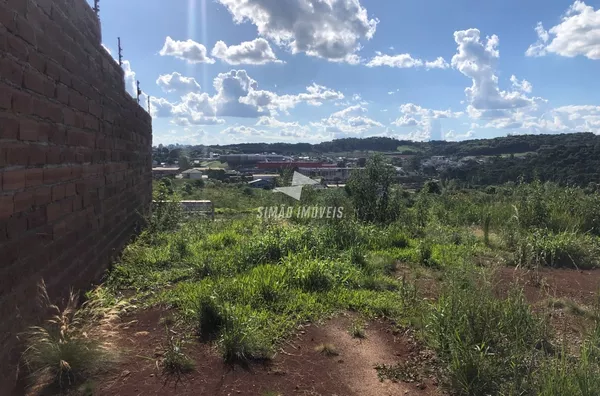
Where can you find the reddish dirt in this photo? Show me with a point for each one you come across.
(538, 285)
(296, 370)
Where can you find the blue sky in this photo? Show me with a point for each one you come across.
(229, 71)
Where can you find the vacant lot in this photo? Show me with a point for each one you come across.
(448, 292)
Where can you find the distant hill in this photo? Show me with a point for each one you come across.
(498, 146)
(569, 159)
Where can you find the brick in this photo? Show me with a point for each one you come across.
(65, 77)
(53, 70)
(13, 180)
(54, 112)
(25, 31)
(70, 189)
(28, 130)
(78, 101)
(59, 229)
(22, 103)
(34, 81)
(66, 205)
(45, 6)
(8, 18)
(53, 212)
(36, 219)
(17, 47)
(62, 94)
(3, 233)
(91, 123)
(57, 134)
(16, 225)
(49, 88)
(95, 109)
(58, 192)
(5, 96)
(52, 175)
(34, 177)
(36, 155)
(7, 207)
(9, 127)
(11, 71)
(19, 6)
(69, 117)
(37, 61)
(54, 155)
(23, 201)
(77, 203)
(65, 173)
(42, 196)
(14, 153)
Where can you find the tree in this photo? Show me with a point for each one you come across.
(188, 188)
(432, 187)
(184, 163)
(371, 191)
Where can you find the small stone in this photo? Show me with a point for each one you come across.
(125, 373)
(141, 333)
(152, 375)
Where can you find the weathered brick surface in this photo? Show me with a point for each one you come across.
(74, 158)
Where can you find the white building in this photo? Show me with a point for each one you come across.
(194, 174)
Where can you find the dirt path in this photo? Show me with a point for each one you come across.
(298, 369)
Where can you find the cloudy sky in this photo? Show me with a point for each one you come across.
(228, 71)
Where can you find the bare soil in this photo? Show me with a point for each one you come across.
(580, 286)
(297, 369)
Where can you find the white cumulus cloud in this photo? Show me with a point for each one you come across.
(476, 59)
(331, 29)
(521, 85)
(256, 52)
(405, 61)
(188, 50)
(578, 33)
(175, 82)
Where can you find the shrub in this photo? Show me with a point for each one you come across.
(565, 249)
(60, 353)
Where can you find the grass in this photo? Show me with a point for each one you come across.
(246, 283)
(174, 360)
(63, 352)
(357, 329)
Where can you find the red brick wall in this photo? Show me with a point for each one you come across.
(75, 156)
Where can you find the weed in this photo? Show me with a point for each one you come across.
(60, 353)
(407, 371)
(175, 361)
(357, 329)
(327, 349)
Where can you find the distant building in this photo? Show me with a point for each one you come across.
(261, 183)
(159, 173)
(236, 160)
(264, 176)
(328, 174)
(279, 165)
(194, 174)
